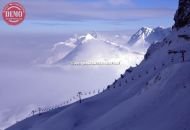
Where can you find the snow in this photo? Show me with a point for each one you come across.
(88, 49)
(60, 50)
(156, 96)
(146, 36)
(102, 51)
(87, 37)
(16, 65)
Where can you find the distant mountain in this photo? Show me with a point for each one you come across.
(145, 36)
(92, 49)
(88, 47)
(61, 49)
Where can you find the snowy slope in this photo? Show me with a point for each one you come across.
(75, 49)
(61, 49)
(95, 50)
(9, 115)
(155, 95)
(145, 36)
(88, 48)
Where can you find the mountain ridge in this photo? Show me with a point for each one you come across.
(139, 41)
(146, 36)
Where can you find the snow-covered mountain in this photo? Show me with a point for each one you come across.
(61, 49)
(88, 47)
(151, 96)
(145, 36)
(93, 48)
(98, 50)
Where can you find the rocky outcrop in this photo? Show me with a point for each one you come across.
(182, 16)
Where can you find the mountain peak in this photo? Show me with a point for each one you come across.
(89, 36)
(146, 35)
(86, 37)
(146, 29)
(159, 28)
(182, 16)
(142, 33)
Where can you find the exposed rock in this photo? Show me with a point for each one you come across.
(182, 16)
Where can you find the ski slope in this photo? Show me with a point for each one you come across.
(152, 96)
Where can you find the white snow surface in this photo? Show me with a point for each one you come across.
(92, 47)
(21, 63)
(146, 36)
(155, 97)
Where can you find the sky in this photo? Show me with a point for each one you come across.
(92, 15)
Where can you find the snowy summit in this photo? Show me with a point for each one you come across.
(144, 37)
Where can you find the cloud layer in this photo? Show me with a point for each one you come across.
(90, 10)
